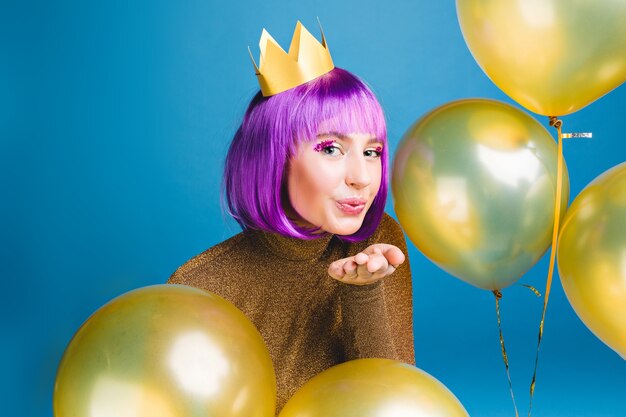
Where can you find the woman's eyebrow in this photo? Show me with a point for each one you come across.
(332, 134)
(343, 137)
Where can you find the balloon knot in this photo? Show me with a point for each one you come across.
(497, 293)
(555, 122)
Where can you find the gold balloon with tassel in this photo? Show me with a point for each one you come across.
(553, 57)
(474, 185)
(592, 257)
(373, 388)
(166, 351)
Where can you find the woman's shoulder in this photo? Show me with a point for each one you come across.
(230, 248)
(388, 231)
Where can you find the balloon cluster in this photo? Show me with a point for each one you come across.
(552, 58)
(174, 351)
(480, 187)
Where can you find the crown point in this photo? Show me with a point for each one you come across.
(319, 23)
(256, 68)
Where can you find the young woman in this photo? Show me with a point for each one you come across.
(306, 178)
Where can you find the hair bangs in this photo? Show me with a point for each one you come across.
(336, 103)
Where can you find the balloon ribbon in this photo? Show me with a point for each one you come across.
(555, 233)
(498, 296)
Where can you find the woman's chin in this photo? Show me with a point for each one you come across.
(344, 227)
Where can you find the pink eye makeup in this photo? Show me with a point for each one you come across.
(374, 152)
(323, 144)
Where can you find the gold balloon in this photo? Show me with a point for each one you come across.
(592, 257)
(474, 184)
(553, 57)
(166, 351)
(373, 388)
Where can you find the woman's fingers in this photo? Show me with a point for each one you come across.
(350, 270)
(343, 269)
(377, 264)
(361, 258)
(374, 263)
(392, 253)
(335, 269)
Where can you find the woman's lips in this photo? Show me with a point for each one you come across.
(351, 205)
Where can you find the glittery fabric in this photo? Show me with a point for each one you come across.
(309, 321)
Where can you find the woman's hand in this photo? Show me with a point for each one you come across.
(366, 267)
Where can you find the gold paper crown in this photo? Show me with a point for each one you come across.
(279, 71)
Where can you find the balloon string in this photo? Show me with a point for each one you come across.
(555, 232)
(533, 289)
(498, 295)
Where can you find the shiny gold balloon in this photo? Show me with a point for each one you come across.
(553, 57)
(373, 388)
(592, 257)
(166, 351)
(474, 184)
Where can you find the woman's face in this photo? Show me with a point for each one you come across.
(333, 180)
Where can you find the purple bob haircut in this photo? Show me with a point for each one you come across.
(254, 181)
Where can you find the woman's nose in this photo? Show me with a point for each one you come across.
(357, 175)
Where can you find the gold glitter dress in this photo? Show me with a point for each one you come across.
(309, 321)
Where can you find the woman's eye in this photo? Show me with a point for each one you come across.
(328, 147)
(374, 153)
(331, 150)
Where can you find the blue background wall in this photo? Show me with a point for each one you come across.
(114, 122)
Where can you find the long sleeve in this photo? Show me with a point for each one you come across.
(377, 319)
(399, 303)
(366, 330)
